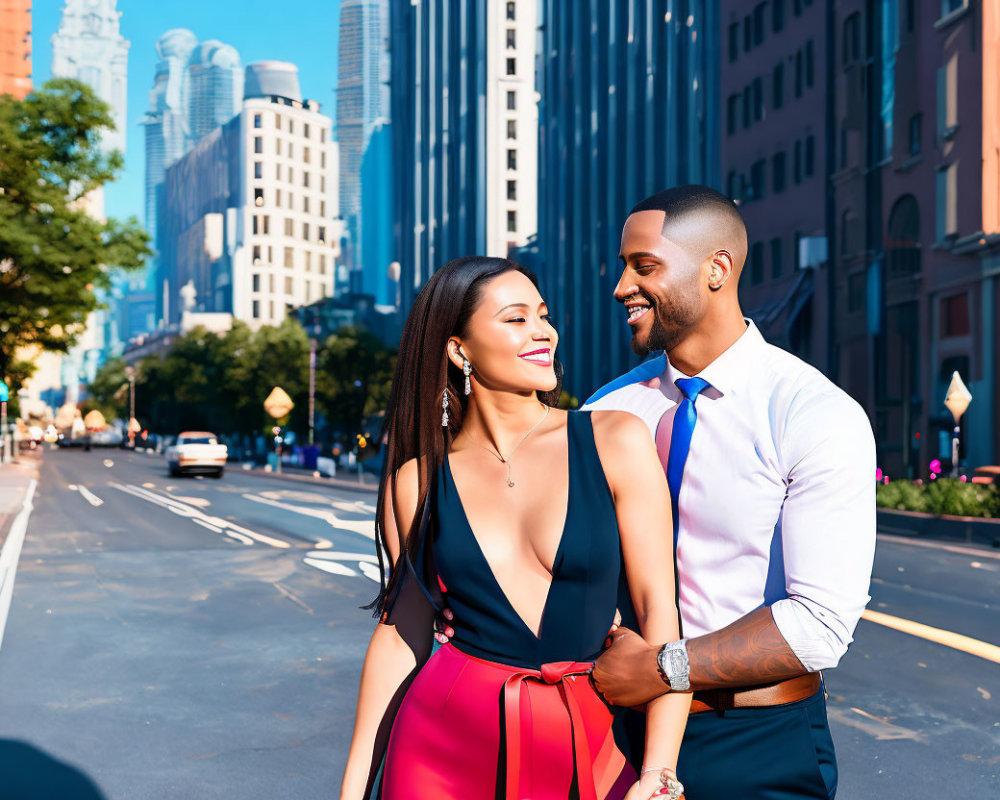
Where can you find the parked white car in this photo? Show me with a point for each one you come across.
(197, 452)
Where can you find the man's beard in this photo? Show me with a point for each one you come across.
(659, 337)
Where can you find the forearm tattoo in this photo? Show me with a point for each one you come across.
(749, 652)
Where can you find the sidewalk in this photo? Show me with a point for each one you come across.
(348, 480)
(14, 480)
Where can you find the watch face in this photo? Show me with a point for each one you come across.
(676, 661)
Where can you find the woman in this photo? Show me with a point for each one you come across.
(525, 520)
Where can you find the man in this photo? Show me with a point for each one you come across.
(771, 471)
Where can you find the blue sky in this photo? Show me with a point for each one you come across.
(301, 31)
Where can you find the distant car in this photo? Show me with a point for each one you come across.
(109, 437)
(197, 452)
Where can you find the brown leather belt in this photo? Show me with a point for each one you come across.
(769, 694)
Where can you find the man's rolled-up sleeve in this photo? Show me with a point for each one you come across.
(827, 528)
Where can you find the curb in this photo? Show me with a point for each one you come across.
(286, 476)
(946, 528)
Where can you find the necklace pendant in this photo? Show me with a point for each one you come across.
(510, 482)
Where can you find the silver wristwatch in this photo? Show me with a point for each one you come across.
(672, 659)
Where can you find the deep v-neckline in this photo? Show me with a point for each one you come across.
(556, 560)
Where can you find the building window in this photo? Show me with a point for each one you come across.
(322, 159)
(796, 7)
(797, 162)
(852, 38)
(256, 225)
(256, 282)
(511, 39)
(305, 179)
(947, 94)
(305, 231)
(511, 221)
(732, 112)
(810, 155)
(512, 159)
(747, 33)
(955, 316)
(305, 203)
(798, 73)
(856, 292)
(289, 226)
(902, 250)
(277, 197)
(511, 129)
(758, 23)
(511, 100)
(947, 201)
(512, 190)
(776, 258)
(777, 15)
(734, 41)
(291, 175)
(256, 259)
(778, 172)
(810, 74)
(914, 134)
(258, 196)
(758, 178)
(291, 125)
(289, 257)
(747, 106)
(949, 6)
(322, 265)
(256, 309)
(258, 145)
(756, 263)
(321, 233)
(277, 146)
(289, 285)
(258, 122)
(270, 284)
(778, 90)
(911, 15)
(511, 8)
(512, 66)
(322, 208)
(731, 185)
(267, 224)
(258, 170)
(322, 135)
(305, 154)
(305, 130)
(758, 99)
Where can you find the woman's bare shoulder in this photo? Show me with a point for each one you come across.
(619, 429)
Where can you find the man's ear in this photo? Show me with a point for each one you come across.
(720, 269)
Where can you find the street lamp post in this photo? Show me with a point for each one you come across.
(130, 372)
(312, 390)
(957, 400)
(4, 396)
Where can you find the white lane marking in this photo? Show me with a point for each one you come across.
(90, 497)
(957, 641)
(331, 562)
(11, 552)
(880, 728)
(364, 527)
(218, 524)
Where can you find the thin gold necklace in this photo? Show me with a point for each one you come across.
(506, 459)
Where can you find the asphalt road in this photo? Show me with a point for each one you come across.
(201, 638)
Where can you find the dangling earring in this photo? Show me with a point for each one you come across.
(467, 371)
(444, 408)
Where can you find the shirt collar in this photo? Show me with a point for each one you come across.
(727, 372)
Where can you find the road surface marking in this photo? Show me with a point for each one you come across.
(217, 524)
(89, 496)
(957, 641)
(875, 726)
(288, 593)
(331, 562)
(11, 552)
(334, 567)
(951, 548)
(362, 526)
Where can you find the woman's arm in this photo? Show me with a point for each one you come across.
(394, 653)
(642, 505)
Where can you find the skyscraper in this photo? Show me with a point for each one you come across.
(464, 131)
(362, 104)
(89, 46)
(628, 108)
(15, 47)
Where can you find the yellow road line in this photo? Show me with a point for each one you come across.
(954, 640)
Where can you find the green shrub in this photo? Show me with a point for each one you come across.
(901, 495)
(949, 496)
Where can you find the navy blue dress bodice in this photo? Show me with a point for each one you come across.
(587, 574)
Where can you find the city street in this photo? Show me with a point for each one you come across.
(202, 638)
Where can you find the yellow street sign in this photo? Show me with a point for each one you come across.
(958, 397)
(278, 403)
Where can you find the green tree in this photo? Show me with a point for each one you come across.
(108, 392)
(52, 253)
(353, 378)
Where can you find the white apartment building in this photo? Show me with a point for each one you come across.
(511, 129)
(249, 222)
(291, 221)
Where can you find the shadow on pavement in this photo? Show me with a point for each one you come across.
(31, 774)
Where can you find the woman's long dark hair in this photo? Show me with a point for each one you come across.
(412, 426)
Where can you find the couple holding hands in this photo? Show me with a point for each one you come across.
(718, 501)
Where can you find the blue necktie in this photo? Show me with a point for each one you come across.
(680, 440)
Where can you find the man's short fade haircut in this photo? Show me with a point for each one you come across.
(683, 200)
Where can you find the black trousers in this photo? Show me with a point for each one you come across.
(775, 753)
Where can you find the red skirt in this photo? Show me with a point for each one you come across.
(467, 725)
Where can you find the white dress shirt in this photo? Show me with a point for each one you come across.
(777, 503)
